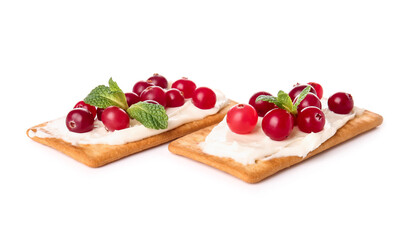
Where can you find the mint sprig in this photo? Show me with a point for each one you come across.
(283, 100)
(150, 115)
(103, 96)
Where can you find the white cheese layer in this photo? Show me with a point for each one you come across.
(248, 148)
(99, 135)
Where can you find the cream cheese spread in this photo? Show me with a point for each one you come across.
(248, 148)
(99, 135)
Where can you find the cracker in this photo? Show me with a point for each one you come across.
(97, 155)
(188, 146)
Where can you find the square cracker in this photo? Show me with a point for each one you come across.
(97, 155)
(188, 146)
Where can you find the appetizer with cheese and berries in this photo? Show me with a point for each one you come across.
(109, 124)
(270, 133)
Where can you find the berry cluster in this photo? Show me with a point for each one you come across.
(301, 107)
(154, 91)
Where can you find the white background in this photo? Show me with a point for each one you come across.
(53, 53)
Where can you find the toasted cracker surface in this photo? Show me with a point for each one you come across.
(188, 146)
(97, 155)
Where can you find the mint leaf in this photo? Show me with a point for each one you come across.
(284, 102)
(150, 115)
(302, 96)
(103, 96)
(267, 98)
(114, 86)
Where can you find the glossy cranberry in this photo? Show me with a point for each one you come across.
(131, 98)
(277, 124)
(99, 112)
(318, 88)
(141, 86)
(341, 103)
(186, 86)
(262, 107)
(158, 80)
(310, 100)
(311, 119)
(174, 98)
(204, 98)
(115, 118)
(79, 120)
(298, 89)
(242, 118)
(90, 108)
(154, 93)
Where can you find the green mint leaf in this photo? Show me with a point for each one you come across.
(302, 96)
(103, 96)
(150, 115)
(114, 86)
(267, 98)
(284, 102)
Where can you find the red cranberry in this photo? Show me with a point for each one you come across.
(158, 80)
(99, 113)
(277, 124)
(318, 88)
(154, 93)
(204, 98)
(262, 107)
(186, 86)
(79, 120)
(131, 98)
(140, 86)
(310, 100)
(174, 98)
(90, 108)
(242, 118)
(115, 118)
(311, 119)
(298, 89)
(341, 103)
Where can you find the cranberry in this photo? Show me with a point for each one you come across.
(131, 98)
(90, 108)
(341, 103)
(298, 89)
(158, 80)
(99, 113)
(79, 120)
(311, 119)
(204, 98)
(318, 88)
(186, 86)
(115, 118)
(141, 86)
(310, 100)
(242, 118)
(154, 93)
(277, 124)
(174, 98)
(262, 107)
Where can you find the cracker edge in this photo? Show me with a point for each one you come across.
(97, 155)
(187, 146)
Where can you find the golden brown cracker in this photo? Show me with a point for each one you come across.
(188, 146)
(97, 155)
